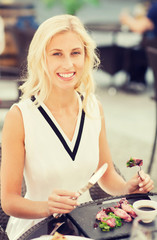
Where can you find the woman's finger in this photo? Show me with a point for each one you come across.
(61, 201)
(65, 200)
(146, 184)
(66, 193)
(53, 210)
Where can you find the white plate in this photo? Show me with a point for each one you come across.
(68, 237)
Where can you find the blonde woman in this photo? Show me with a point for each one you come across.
(55, 136)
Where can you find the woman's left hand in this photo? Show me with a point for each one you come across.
(140, 183)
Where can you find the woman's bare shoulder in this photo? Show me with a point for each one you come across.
(13, 123)
(13, 114)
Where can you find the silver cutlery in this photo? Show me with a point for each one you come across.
(95, 177)
(58, 225)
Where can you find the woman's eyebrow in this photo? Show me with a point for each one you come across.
(78, 48)
(60, 50)
(55, 49)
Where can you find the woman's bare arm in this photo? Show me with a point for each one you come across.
(111, 181)
(13, 157)
(108, 180)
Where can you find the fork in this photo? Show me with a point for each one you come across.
(58, 225)
(139, 172)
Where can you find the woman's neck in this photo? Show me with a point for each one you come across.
(58, 102)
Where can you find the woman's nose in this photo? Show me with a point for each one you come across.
(67, 62)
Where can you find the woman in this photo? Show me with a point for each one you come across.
(56, 134)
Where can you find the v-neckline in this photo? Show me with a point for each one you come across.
(75, 133)
(71, 146)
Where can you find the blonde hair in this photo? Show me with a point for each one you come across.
(38, 80)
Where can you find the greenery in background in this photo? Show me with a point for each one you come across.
(70, 6)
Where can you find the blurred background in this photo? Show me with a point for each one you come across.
(130, 109)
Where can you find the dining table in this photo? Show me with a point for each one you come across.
(81, 223)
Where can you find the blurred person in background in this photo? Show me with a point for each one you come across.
(147, 26)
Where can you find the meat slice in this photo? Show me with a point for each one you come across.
(111, 222)
(101, 215)
(127, 208)
(121, 213)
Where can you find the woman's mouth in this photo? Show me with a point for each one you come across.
(66, 76)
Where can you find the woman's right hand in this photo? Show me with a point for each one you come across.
(62, 201)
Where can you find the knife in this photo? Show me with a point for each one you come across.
(96, 176)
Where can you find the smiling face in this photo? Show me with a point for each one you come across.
(65, 60)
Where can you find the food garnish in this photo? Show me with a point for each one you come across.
(113, 217)
(58, 236)
(134, 162)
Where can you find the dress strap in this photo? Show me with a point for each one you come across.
(59, 135)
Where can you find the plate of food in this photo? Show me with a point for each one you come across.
(58, 236)
(109, 218)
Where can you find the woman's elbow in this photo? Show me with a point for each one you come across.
(8, 204)
(5, 207)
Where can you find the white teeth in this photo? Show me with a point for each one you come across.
(66, 75)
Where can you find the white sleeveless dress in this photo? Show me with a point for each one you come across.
(53, 161)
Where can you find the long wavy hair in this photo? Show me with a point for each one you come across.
(38, 80)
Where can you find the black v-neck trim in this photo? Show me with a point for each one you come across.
(59, 135)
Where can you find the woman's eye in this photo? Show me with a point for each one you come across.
(56, 54)
(76, 53)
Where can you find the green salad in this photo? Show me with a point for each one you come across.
(105, 227)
